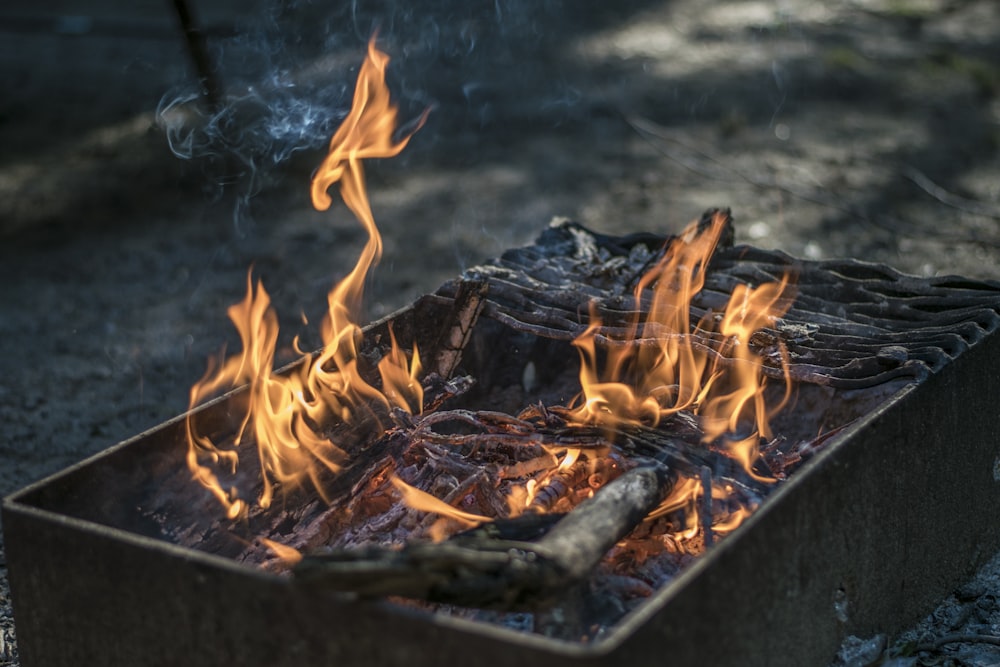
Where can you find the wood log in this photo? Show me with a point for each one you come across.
(468, 304)
(480, 571)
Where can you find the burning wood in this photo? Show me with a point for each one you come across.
(613, 477)
(485, 571)
(286, 413)
(595, 412)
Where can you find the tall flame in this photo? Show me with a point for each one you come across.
(286, 413)
(662, 365)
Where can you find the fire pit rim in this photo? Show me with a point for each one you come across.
(635, 629)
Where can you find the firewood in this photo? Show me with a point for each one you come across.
(468, 303)
(473, 570)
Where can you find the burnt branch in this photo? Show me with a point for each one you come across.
(851, 325)
(498, 573)
(468, 302)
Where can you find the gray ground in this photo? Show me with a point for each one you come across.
(863, 128)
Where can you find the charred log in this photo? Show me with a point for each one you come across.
(852, 324)
(468, 303)
(473, 570)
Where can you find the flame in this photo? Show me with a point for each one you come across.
(662, 364)
(286, 554)
(643, 383)
(741, 395)
(572, 455)
(286, 414)
(423, 501)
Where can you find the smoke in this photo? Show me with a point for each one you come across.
(286, 78)
(271, 105)
(257, 125)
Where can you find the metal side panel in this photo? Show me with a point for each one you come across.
(866, 539)
(84, 595)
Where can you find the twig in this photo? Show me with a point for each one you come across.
(958, 639)
(198, 51)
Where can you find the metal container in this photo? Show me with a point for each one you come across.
(864, 538)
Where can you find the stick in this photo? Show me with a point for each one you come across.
(198, 50)
(578, 542)
(469, 301)
(503, 574)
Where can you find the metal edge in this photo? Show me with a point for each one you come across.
(605, 646)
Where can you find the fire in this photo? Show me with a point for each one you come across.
(657, 365)
(662, 364)
(286, 414)
(285, 553)
(422, 501)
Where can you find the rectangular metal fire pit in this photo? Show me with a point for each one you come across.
(864, 538)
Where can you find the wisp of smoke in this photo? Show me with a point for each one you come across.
(286, 81)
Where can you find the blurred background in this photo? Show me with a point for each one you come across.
(138, 182)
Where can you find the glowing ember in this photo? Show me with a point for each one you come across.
(286, 413)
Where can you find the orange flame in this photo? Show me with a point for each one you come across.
(286, 554)
(643, 383)
(663, 365)
(286, 413)
(421, 500)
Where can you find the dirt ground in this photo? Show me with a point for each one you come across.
(129, 214)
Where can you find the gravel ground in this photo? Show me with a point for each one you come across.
(862, 128)
(963, 630)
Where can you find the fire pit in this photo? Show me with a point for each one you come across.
(119, 560)
(593, 449)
